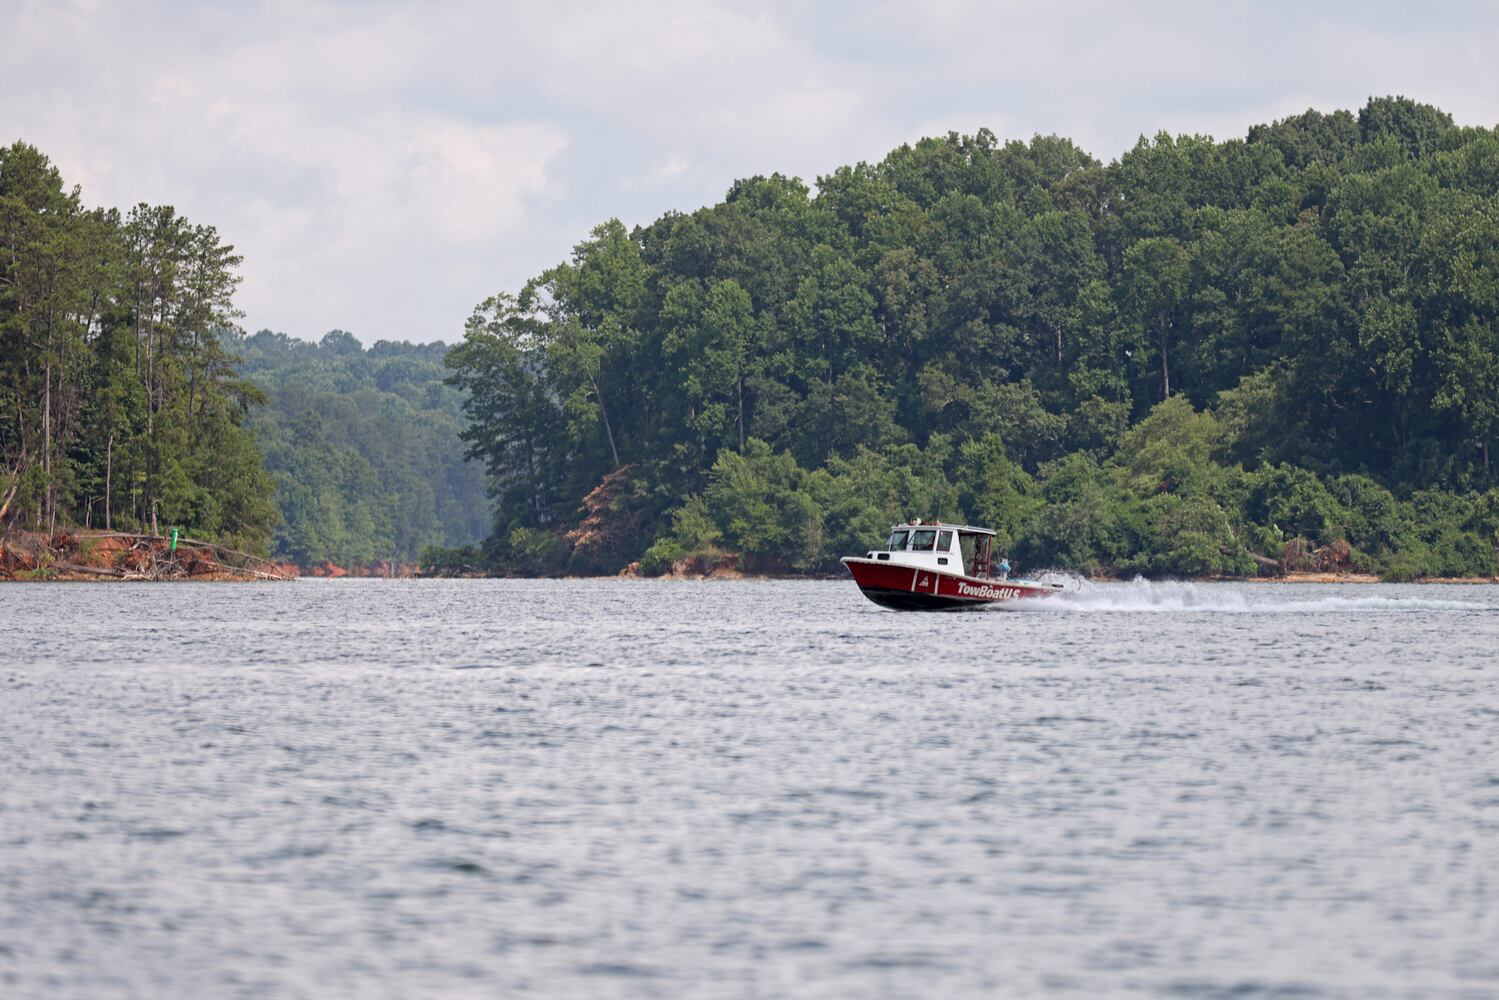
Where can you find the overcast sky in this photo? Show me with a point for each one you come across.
(383, 167)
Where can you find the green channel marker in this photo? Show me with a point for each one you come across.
(174, 541)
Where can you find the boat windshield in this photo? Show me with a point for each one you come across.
(897, 541)
(922, 541)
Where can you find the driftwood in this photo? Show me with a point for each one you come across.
(123, 555)
(232, 558)
(63, 567)
(10, 495)
(248, 563)
(1265, 562)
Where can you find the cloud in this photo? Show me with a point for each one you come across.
(291, 130)
(384, 166)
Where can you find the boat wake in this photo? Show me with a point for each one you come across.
(1141, 595)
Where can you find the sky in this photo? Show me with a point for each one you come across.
(384, 167)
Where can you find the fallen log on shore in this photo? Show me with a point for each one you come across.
(122, 555)
(1267, 566)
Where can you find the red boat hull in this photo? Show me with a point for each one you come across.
(907, 588)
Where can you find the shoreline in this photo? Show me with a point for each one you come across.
(230, 576)
(1358, 578)
(85, 556)
(720, 576)
(81, 556)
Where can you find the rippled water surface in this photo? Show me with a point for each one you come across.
(617, 788)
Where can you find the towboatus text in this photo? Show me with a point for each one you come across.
(987, 592)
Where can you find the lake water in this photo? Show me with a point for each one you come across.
(746, 789)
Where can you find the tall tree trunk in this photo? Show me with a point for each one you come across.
(153, 401)
(48, 416)
(47, 498)
(150, 414)
(1165, 367)
(192, 384)
(604, 412)
(109, 461)
(532, 483)
(10, 494)
(741, 412)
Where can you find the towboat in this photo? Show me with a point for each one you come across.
(928, 566)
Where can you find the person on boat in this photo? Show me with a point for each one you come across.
(1004, 569)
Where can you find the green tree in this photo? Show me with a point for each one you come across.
(764, 509)
(1152, 286)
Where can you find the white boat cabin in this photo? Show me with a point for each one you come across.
(945, 548)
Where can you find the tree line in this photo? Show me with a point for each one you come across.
(1201, 357)
(362, 445)
(119, 404)
(130, 400)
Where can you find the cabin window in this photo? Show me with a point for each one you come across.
(967, 544)
(922, 541)
(944, 541)
(897, 541)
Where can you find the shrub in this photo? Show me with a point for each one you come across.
(1294, 501)
(1376, 521)
(1172, 447)
(997, 492)
(1190, 536)
(761, 505)
(438, 561)
(1087, 522)
(692, 533)
(530, 552)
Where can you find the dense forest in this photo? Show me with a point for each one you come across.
(1200, 358)
(363, 446)
(120, 406)
(129, 400)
